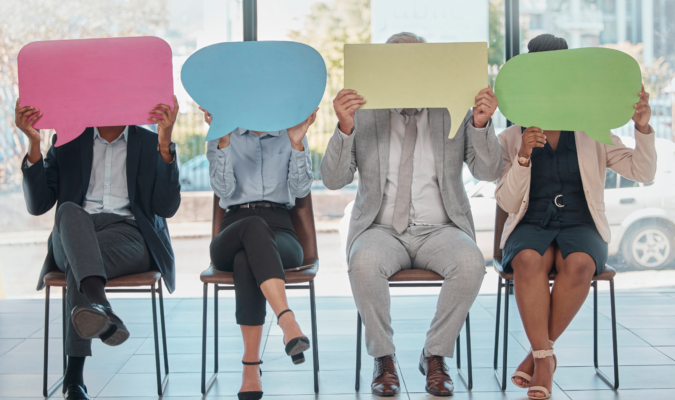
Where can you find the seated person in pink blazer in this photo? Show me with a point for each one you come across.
(552, 186)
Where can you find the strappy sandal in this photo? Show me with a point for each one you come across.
(521, 374)
(547, 394)
(296, 346)
(251, 395)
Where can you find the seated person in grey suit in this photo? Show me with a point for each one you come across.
(411, 211)
(113, 187)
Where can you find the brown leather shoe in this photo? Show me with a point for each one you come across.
(385, 378)
(438, 378)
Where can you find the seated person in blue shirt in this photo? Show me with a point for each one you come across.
(258, 176)
(113, 187)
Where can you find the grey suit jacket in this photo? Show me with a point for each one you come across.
(367, 150)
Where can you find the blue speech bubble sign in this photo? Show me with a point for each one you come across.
(261, 86)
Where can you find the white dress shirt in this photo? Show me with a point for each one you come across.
(107, 191)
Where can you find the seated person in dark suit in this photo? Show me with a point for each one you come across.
(113, 187)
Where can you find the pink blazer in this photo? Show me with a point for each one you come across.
(513, 189)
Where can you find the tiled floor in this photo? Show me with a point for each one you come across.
(646, 337)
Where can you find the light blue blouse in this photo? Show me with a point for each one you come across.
(259, 168)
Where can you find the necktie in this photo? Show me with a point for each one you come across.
(405, 173)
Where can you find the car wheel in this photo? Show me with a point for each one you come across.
(650, 246)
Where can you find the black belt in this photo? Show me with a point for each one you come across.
(555, 205)
(257, 204)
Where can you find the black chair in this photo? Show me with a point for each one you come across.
(124, 284)
(419, 278)
(302, 216)
(506, 283)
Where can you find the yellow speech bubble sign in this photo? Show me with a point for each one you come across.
(418, 75)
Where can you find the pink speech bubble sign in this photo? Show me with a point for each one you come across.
(94, 82)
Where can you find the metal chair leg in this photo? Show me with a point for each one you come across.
(163, 326)
(468, 378)
(207, 385)
(47, 391)
(63, 327)
(358, 351)
(615, 384)
(161, 384)
(315, 349)
(501, 380)
(216, 323)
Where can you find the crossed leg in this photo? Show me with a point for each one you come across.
(546, 314)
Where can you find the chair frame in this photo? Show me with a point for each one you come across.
(153, 289)
(311, 257)
(507, 285)
(467, 379)
(206, 385)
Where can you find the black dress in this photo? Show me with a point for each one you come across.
(555, 182)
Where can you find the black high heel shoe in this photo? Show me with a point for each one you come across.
(251, 395)
(295, 346)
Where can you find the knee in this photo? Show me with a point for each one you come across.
(470, 263)
(528, 262)
(367, 263)
(580, 272)
(67, 210)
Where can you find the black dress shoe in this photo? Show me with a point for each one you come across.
(99, 321)
(76, 392)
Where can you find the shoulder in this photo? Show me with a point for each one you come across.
(143, 132)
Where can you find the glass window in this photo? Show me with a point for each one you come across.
(610, 179)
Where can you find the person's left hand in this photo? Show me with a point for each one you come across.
(643, 112)
(167, 121)
(486, 104)
(298, 132)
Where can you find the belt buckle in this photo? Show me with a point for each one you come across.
(555, 201)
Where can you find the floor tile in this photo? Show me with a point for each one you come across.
(622, 394)
(8, 344)
(656, 337)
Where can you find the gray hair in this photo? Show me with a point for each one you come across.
(406, 37)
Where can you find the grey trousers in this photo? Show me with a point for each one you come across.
(104, 245)
(380, 252)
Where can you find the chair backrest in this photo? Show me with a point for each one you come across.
(302, 216)
(500, 220)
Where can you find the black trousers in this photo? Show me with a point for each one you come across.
(104, 245)
(256, 245)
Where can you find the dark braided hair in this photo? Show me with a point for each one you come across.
(546, 42)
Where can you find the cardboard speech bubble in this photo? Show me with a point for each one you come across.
(418, 75)
(589, 89)
(261, 86)
(94, 82)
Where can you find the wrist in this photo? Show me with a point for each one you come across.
(644, 129)
(299, 146)
(346, 128)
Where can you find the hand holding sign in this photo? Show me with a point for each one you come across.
(94, 82)
(261, 86)
(590, 89)
(417, 75)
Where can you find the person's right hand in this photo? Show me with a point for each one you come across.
(345, 104)
(24, 118)
(532, 137)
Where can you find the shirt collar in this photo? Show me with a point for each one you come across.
(399, 110)
(270, 133)
(124, 135)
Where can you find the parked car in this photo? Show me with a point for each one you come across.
(194, 174)
(641, 216)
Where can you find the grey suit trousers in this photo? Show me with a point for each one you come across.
(104, 245)
(380, 252)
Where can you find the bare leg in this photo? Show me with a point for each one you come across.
(530, 279)
(570, 290)
(275, 292)
(250, 380)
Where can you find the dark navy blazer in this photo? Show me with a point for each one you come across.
(154, 190)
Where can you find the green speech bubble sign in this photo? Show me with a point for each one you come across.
(590, 89)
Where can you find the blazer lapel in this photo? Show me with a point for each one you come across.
(134, 142)
(383, 137)
(86, 157)
(438, 134)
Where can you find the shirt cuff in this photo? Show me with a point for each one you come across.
(520, 169)
(487, 126)
(28, 163)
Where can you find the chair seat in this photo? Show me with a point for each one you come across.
(58, 279)
(607, 275)
(415, 275)
(212, 275)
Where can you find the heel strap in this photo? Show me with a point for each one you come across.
(252, 363)
(282, 313)
(542, 353)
